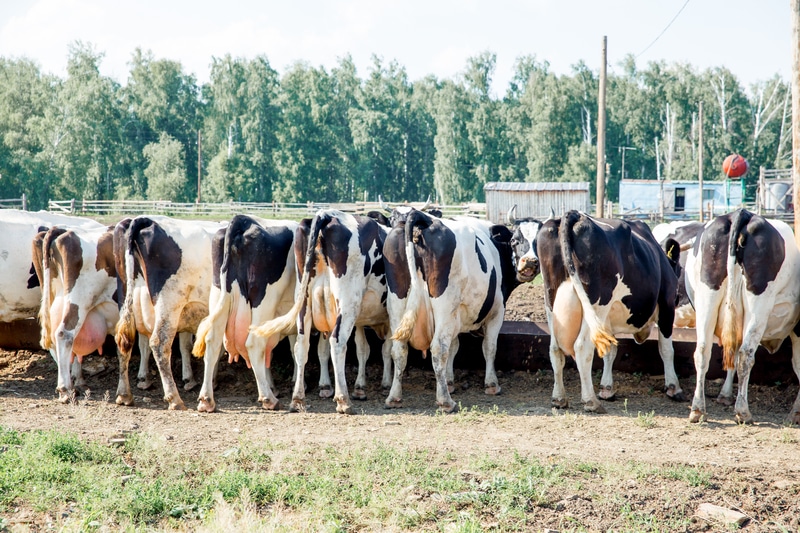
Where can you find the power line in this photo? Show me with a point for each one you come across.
(664, 30)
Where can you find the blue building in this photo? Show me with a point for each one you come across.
(680, 196)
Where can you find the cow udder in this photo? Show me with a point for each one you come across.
(567, 317)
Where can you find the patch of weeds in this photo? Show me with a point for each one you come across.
(646, 420)
(476, 412)
(688, 474)
(788, 436)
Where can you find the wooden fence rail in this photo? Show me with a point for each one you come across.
(228, 209)
(15, 203)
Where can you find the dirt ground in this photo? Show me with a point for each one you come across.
(756, 469)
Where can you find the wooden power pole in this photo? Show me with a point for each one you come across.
(700, 157)
(796, 116)
(601, 132)
(199, 165)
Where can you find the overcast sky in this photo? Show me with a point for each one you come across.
(750, 37)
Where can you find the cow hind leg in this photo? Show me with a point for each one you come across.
(185, 342)
(584, 353)
(338, 355)
(607, 391)
(78, 381)
(746, 360)
(324, 353)
(671, 384)
(725, 396)
(143, 377)
(399, 352)
(161, 344)
(362, 353)
(450, 358)
(386, 352)
(298, 403)
(257, 348)
(489, 345)
(440, 351)
(205, 400)
(124, 395)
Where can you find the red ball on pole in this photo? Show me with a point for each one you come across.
(735, 166)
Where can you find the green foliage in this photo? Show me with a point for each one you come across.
(312, 135)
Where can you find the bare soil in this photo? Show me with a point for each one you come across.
(755, 469)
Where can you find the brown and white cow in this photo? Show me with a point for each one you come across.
(445, 277)
(743, 276)
(166, 267)
(601, 277)
(254, 281)
(78, 309)
(342, 288)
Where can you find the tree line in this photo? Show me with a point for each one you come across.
(311, 134)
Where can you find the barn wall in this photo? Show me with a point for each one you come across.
(535, 204)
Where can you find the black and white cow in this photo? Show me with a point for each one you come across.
(342, 288)
(79, 308)
(445, 277)
(166, 267)
(743, 276)
(601, 277)
(684, 232)
(254, 281)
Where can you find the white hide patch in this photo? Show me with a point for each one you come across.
(529, 231)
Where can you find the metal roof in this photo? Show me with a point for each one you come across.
(537, 186)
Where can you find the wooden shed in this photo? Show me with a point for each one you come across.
(534, 199)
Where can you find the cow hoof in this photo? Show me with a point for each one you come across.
(696, 415)
(144, 385)
(675, 396)
(270, 405)
(358, 394)
(392, 403)
(607, 393)
(297, 406)
(744, 418)
(448, 407)
(206, 405)
(344, 409)
(492, 390)
(124, 399)
(594, 407)
(326, 392)
(725, 400)
(559, 404)
(189, 385)
(177, 405)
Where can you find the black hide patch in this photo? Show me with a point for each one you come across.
(217, 255)
(255, 257)
(335, 245)
(434, 248)
(157, 252)
(488, 302)
(398, 278)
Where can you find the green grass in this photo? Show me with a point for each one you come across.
(145, 484)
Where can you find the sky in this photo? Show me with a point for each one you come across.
(752, 38)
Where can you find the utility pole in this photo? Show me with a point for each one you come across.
(796, 116)
(622, 150)
(601, 132)
(199, 164)
(700, 157)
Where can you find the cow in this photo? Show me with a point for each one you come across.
(254, 281)
(76, 271)
(445, 277)
(342, 287)
(20, 290)
(601, 277)
(165, 265)
(743, 276)
(684, 233)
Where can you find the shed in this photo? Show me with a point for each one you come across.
(534, 199)
(643, 196)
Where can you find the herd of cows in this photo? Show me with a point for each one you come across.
(415, 278)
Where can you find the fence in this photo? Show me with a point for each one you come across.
(226, 210)
(15, 203)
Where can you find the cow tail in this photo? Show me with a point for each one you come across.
(416, 292)
(602, 338)
(222, 306)
(126, 327)
(287, 324)
(732, 305)
(44, 309)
